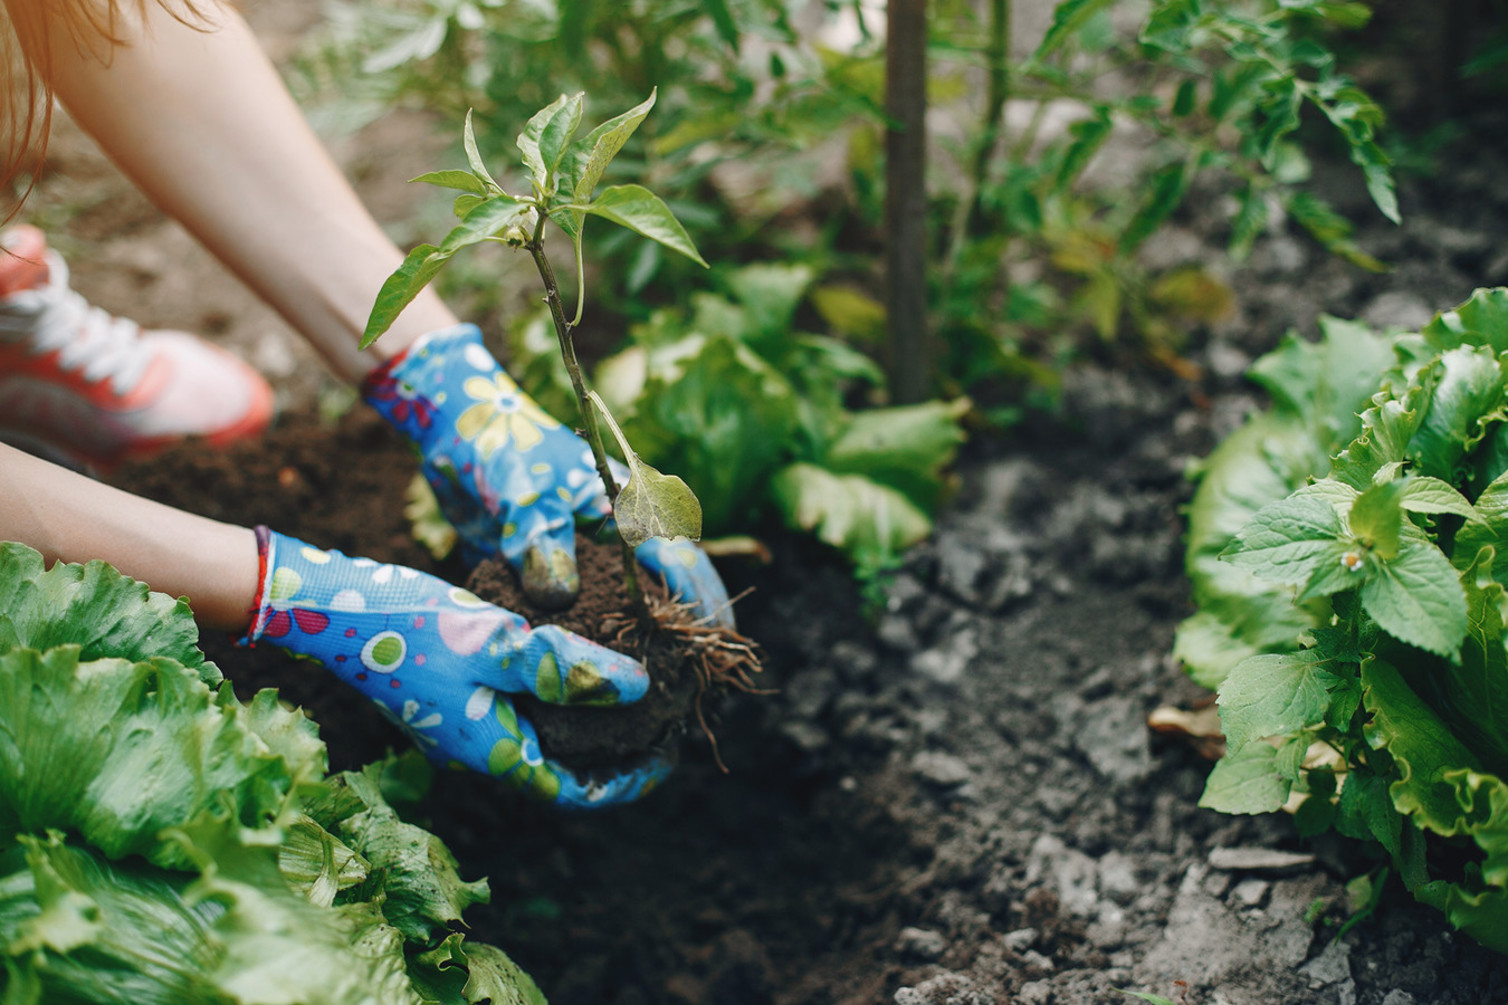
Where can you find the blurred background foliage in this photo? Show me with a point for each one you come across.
(1062, 138)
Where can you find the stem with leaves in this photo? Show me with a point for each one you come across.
(564, 172)
(591, 430)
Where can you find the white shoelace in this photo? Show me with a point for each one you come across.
(88, 338)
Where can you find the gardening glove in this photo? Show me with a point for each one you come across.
(511, 479)
(441, 663)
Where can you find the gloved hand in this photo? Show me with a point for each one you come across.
(511, 479)
(442, 662)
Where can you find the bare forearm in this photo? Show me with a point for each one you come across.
(202, 123)
(71, 518)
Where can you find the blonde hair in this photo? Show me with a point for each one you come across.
(35, 28)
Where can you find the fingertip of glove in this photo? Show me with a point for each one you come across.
(549, 578)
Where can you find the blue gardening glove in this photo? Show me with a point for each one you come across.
(511, 479)
(441, 663)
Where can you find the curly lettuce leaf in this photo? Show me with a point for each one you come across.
(131, 749)
(95, 608)
(870, 522)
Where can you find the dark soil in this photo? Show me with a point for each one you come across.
(585, 738)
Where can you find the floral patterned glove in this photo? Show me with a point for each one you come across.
(511, 479)
(441, 663)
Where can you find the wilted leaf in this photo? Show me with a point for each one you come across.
(651, 504)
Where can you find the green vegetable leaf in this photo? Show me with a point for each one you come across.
(643, 212)
(147, 747)
(1422, 748)
(95, 608)
(1417, 597)
(1481, 320)
(1473, 694)
(544, 139)
(1327, 382)
(870, 522)
(1489, 530)
(1467, 395)
(1432, 496)
(1274, 695)
(1386, 429)
(1247, 782)
(906, 447)
(465, 181)
(651, 504)
(1068, 17)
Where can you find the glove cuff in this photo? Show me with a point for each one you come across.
(266, 562)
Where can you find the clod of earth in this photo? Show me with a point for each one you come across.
(690, 663)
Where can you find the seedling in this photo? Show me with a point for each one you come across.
(564, 172)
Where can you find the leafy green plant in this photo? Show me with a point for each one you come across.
(753, 413)
(1362, 680)
(162, 842)
(564, 172)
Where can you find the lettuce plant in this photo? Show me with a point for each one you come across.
(162, 842)
(1344, 550)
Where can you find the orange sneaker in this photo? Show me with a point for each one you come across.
(86, 388)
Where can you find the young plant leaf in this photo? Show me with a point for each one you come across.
(586, 159)
(474, 156)
(546, 135)
(643, 212)
(424, 262)
(1274, 694)
(651, 504)
(464, 181)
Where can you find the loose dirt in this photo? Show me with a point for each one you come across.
(587, 738)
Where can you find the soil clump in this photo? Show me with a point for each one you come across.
(585, 737)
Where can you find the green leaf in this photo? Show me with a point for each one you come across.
(546, 135)
(871, 523)
(643, 212)
(1377, 515)
(1274, 695)
(1467, 395)
(1365, 811)
(906, 447)
(1295, 541)
(1430, 496)
(422, 264)
(1417, 597)
(1168, 185)
(1246, 782)
(95, 608)
(1331, 230)
(1328, 382)
(132, 749)
(1067, 18)
(651, 504)
(722, 20)
(1386, 429)
(1473, 694)
(1422, 748)
(716, 413)
(586, 159)
(1481, 320)
(474, 156)
(465, 181)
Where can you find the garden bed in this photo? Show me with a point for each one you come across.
(953, 798)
